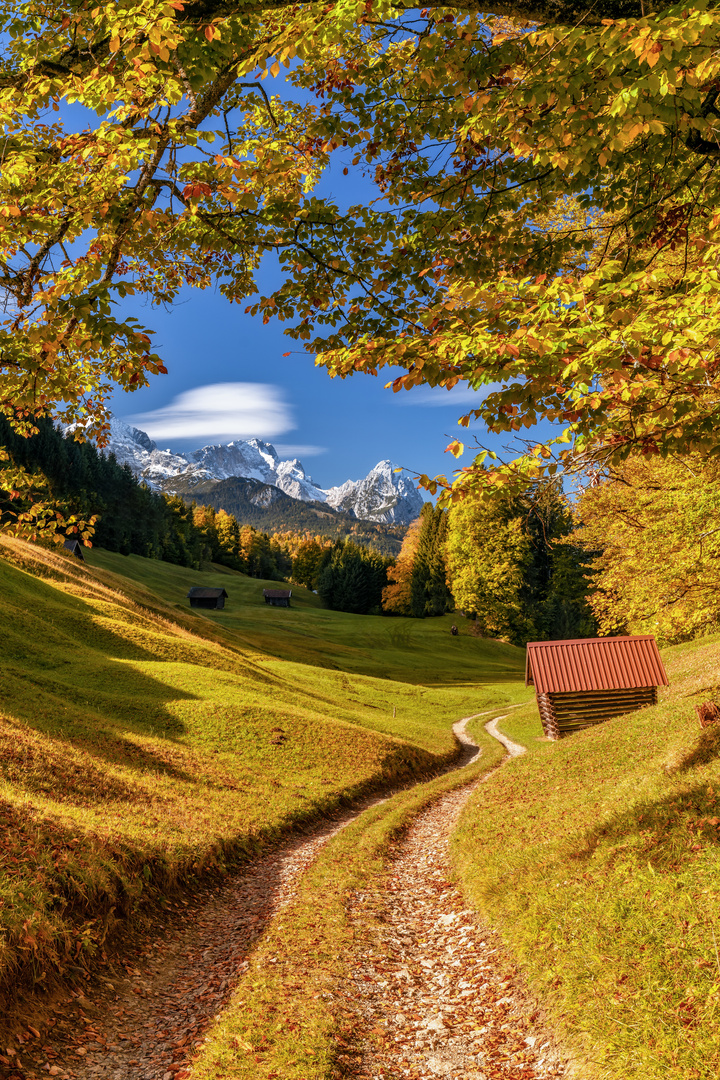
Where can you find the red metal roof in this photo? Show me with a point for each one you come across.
(594, 664)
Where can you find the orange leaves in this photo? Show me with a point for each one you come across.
(196, 190)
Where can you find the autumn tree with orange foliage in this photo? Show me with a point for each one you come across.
(396, 596)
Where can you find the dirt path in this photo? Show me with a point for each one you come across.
(433, 994)
(144, 1019)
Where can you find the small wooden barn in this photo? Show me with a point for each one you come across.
(584, 682)
(201, 596)
(74, 547)
(277, 597)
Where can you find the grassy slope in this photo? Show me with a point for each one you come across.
(599, 859)
(406, 650)
(141, 744)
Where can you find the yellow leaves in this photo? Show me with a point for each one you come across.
(653, 55)
(275, 70)
(456, 448)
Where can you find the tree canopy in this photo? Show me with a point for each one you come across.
(652, 528)
(545, 228)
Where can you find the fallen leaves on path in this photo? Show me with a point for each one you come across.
(432, 993)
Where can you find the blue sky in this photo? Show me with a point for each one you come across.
(227, 378)
(338, 428)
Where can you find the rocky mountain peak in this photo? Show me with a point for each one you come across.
(383, 495)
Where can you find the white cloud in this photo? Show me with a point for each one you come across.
(436, 396)
(293, 450)
(220, 413)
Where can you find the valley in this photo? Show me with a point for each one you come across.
(145, 746)
(153, 755)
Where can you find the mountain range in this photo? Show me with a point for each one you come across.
(384, 495)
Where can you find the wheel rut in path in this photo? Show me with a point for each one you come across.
(432, 992)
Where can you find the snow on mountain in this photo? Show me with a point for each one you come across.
(383, 495)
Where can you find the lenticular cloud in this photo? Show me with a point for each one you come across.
(221, 412)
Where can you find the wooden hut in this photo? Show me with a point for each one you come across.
(277, 597)
(74, 547)
(584, 682)
(200, 596)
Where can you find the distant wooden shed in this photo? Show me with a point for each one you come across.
(203, 597)
(584, 682)
(277, 597)
(74, 547)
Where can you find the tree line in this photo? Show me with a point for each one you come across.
(75, 479)
(514, 566)
(133, 520)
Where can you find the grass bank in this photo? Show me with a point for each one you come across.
(598, 858)
(142, 746)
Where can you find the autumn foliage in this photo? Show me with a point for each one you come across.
(652, 526)
(546, 232)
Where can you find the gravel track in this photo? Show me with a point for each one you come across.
(433, 993)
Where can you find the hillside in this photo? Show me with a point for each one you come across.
(598, 857)
(144, 745)
(269, 509)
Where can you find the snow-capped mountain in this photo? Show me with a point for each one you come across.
(382, 496)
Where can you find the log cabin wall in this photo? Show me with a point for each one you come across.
(580, 709)
(547, 716)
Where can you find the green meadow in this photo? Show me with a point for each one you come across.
(143, 745)
(399, 649)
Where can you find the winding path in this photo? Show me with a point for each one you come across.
(432, 994)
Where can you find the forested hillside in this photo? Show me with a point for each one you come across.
(268, 508)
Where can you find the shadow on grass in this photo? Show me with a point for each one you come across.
(663, 833)
(704, 750)
(64, 770)
(88, 698)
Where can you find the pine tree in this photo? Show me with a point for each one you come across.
(352, 578)
(429, 593)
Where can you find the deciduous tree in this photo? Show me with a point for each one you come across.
(515, 565)
(547, 233)
(653, 526)
(397, 594)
